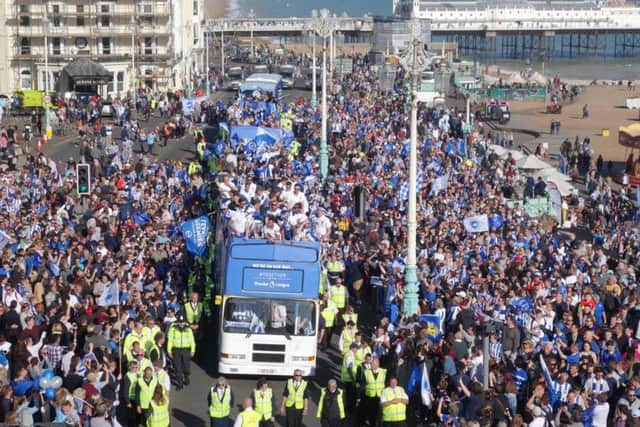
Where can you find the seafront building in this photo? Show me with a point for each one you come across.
(149, 43)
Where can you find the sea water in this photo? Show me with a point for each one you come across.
(302, 8)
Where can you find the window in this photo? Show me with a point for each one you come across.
(55, 9)
(105, 43)
(25, 46)
(105, 21)
(81, 43)
(23, 8)
(147, 8)
(195, 7)
(25, 79)
(146, 21)
(104, 8)
(56, 46)
(148, 45)
(56, 21)
(265, 316)
(196, 34)
(120, 81)
(25, 21)
(80, 19)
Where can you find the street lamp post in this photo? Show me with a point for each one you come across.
(47, 119)
(323, 25)
(414, 61)
(133, 63)
(252, 15)
(314, 90)
(206, 62)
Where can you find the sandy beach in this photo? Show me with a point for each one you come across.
(606, 111)
(215, 8)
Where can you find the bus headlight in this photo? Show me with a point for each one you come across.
(233, 356)
(303, 358)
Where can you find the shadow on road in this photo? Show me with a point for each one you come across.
(188, 419)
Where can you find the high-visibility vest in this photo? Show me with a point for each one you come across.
(181, 338)
(193, 168)
(374, 386)
(361, 353)
(340, 403)
(133, 380)
(296, 397)
(348, 336)
(149, 333)
(193, 315)
(323, 282)
(220, 408)
(146, 391)
(348, 374)
(263, 404)
(329, 316)
(142, 366)
(339, 296)
(159, 415)
(351, 317)
(200, 149)
(250, 418)
(397, 411)
(334, 266)
(130, 339)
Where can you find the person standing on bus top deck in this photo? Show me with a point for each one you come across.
(295, 400)
(220, 401)
(193, 312)
(263, 402)
(181, 347)
(331, 406)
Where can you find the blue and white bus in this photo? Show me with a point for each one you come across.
(269, 307)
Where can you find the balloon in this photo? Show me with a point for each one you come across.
(47, 373)
(49, 394)
(55, 382)
(44, 383)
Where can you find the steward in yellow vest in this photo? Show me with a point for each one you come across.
(145, 388)
(158, 414)
(394, 403)
(331, 405)
(248, 417)
(295, 399)
(220, 403)
(263, 401)
(128, 392)
(374, 382)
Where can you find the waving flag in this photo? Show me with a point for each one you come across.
(432, 323)
(496, 221)
(476, 223)
(110, 295)
(425, 387)
(524, 304)
(196, 234)
(547, 376)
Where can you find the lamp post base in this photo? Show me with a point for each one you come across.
(324, 159)
(410, 302)
(314, 102)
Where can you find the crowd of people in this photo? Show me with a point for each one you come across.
(99, 290)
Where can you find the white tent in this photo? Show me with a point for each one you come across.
(500, 151)
(563, 187)
(553, 174)
(516, 78)
(531, 162)
(538, 79)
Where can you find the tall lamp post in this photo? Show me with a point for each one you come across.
(414, 61)
(206, 62)
(312, 33)
(252, 16)
(47, 119)
(324, 25)
(133, 62)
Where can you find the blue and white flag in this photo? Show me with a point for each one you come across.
(496, 221)
(110, 294)
(525, 304)
(425, 387)
(189, 104)
(432, 322)
(4, 239)
(547, 376)
(476, 223)
(439, 184)
(196, 234)
(223, 129)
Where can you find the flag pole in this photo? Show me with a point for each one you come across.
(121, 328)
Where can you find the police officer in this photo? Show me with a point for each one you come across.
(295, 400)
(220, 402)
(181, 348)
(331, 406)
(374, 382)
(144, 393)
(248, 417)
(394, 402)
(263, 402)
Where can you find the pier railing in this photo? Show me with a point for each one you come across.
(279, 25)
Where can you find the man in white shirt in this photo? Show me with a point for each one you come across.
(296, 197)
(322, 225)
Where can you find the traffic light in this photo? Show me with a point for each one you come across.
(83, 179)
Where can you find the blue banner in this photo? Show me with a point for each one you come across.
(272, 280)
(432, 323)
(196, 233)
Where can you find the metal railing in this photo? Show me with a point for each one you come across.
(284, 24)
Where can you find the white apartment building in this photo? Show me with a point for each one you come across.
(154, 43)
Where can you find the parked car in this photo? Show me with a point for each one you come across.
(308, 78)
(289, 75)
(234, 78)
